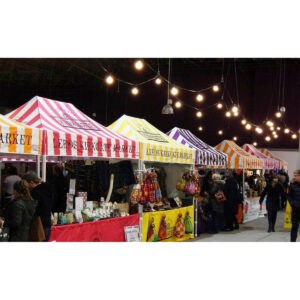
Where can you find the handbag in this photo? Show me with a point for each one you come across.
(4, 234)
(220, 197)
(37, 233)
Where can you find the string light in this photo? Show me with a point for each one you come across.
(248, 126)
(235, 138)
(178, 104)
(270, 123)
(220, 132)
(286, 130)
(258, 130)
(158, 81)
(267, 138)
(228, 114)
(139, 65)
(235, 109)
(135, 91)
(244, 122)
(174, 91)
(275, 136)
(274, 132)
(271, 128)
(278, 114)
(294, 136)
(255, 144)
(109, 79)
(278, 128)
(199, 114)
(216, 88)
(219, 105)
(236, 113)
(199, 98)
(200, 128)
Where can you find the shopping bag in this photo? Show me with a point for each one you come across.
(36, 233)
(4, 234)
(288, 216)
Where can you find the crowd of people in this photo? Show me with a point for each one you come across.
(27, 204)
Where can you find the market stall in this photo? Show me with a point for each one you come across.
(282, 163)
(70, 135)
(269, 163)
(249, 165)
(159, 155)
(205, 155)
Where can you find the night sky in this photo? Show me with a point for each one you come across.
(80, 81)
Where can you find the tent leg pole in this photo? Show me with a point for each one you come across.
(38, 165)
(44, 168)
(0, 182)
(243, 183)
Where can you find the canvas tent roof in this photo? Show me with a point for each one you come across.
(154, 144)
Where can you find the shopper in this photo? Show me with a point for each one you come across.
(60, 190)
(232, 194)
(43, 194)
(294, 199)
(274, 192)
(8, 184)
(217, 208)
(284, 179)
(18, 213)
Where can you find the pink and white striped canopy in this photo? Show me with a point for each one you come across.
(70, 133)
(269, 163)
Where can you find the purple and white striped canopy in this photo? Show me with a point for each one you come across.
(206, 155)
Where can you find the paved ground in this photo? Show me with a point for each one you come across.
(254, 231)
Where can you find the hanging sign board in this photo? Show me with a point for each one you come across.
(132, 233)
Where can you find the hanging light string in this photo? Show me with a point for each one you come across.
(236, 83)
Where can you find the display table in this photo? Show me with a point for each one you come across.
(109, 230)
(154, 219)
(252, 209)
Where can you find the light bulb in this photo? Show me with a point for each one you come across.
(278, 114)
(272, 128)
(254, 144)
(235, 138)
(258, 130)
(200, 128)
(219, 105)
(216, 88)
(276, 136)
(286, 131)
(199, 98)
(178, 104)
(267, 138)
(158, 81)
(244, 122)
(109, 79)
(278, 128)
(199, 114)
(228, 114)
(270, 123)
(139, 65)
(294, 136)
(248, 126)
(235, 109)
(236, 113)
(135, 91)
(174, 91)
(220, 132)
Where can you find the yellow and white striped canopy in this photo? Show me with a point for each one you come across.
(154, 144)
(17, 138)
(238, 158)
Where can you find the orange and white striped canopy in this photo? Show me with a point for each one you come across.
(17, 138)
(282, 163)
(238, 158)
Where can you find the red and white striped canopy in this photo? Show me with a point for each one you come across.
(269, 163)
(70, 133)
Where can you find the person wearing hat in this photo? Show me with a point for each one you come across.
(274, 192)
(294, 199)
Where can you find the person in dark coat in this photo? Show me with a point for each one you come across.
(232, 194)
(18, 213)
(60, 190)
(217, 208)
(43, 194)
(294, 200)
(285, 180)
(274, 192)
